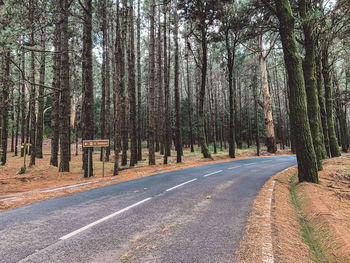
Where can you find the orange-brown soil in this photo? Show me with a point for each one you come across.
(20, 189)
(326, 206)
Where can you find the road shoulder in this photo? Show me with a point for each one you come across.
(307, 222)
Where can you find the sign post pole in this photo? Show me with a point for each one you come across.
(89, 160)
(103, 162)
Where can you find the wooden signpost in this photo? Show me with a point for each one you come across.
(96, 143)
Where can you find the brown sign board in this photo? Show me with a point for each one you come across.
(95, 143)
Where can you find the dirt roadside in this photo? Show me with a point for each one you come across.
(321, 210)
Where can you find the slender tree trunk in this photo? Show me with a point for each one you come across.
(56, 84)
(122, 91)
(306, 157)
(132, 90)
(203, 138)
(189, 99)
(23, 105)
(178, 144)
(230, 63)
(12, 121)
(5, 68)
(333, 143)
(103, 76)
(40, 125)
(108, 93)
(167, 129)
(139, 103)
(118, 87)
(267, 103)
(18, 111)
(160, 88)
(87, 113)
(256, 112)
(151, 120)
(65, 93)
(322, 103)
(32, 98)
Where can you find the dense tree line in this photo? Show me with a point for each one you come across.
(179, 73)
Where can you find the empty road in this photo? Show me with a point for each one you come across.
(192, 215)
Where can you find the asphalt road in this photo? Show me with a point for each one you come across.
(192, 215)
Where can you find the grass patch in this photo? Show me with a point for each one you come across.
(308, 234)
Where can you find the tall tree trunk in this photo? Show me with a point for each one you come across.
(322, 103)
(139, 102)
(309, 70)
(230, 62)
(151, 120)
(178, 143)
(132, 88)
(40, 125)
(18, 111)
(103, 76)
(56, 68)
(23, 104)
(5, 68)
(256, 112)
(118, 87)
(189, 98)
(167, 129)
(203, 138)
(306, 157)
(267, 102)
(32, 101)
(65, 93)
(122, 91)
(160, 87)
(87, 113)
(108, 92)
(333, 143)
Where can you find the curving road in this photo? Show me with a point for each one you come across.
(192, 215)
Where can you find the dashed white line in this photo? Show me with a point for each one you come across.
(212, 173)
(250, 164)
(103, 219)
(234, 167)
(172, 188)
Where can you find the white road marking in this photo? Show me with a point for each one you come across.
(212, 173)
(267, 249)
(103, 219)
(172, 188)
(234, 167)
(250, 164)
(265, 161)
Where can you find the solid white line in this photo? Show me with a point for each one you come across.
(267, 248)
(103, 219)
(234, 167)
(212, 173)
(172, 188)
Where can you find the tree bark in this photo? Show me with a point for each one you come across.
(132, 88)
(309, 70)
(40, 125)
(178, 143)
(65, 93)
(333, 143)
(139, 103)
(5, 68)
(56, 68)
(151, 139)
(306, 157)
(87, 116)
(267, 102)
